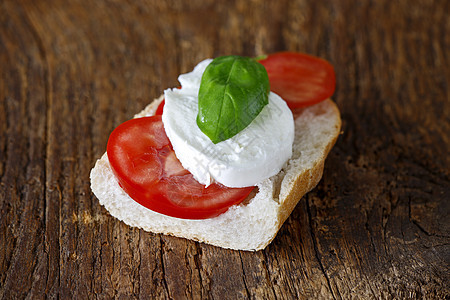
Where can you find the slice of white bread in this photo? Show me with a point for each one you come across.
(253, 224)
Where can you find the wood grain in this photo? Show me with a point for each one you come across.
(377, 226)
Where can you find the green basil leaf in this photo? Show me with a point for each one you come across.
(233, 91)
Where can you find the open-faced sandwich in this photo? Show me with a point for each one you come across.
(224, 158)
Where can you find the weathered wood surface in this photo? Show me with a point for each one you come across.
(377, 226)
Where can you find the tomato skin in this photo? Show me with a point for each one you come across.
(145, 165)
(300, 79)
(160, 108)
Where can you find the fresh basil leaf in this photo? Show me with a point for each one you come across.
(233, 91)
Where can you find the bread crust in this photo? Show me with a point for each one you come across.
(253, 224)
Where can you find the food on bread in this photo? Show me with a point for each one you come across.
(254, 154)
(252, 223)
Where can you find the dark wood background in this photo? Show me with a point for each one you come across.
(377, 225)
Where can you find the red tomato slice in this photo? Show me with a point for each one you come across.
(159, 110)
(299, 79)
(142, 158)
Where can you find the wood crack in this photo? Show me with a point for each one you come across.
(243, 275)
(266, 269)
(366, 226)
(48, 103)
(138, 281)
(416, 223)
(386, 215)
(161, 249)
(199, 267)
(316, 250)
(369, 232)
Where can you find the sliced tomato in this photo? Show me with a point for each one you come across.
(144, 163)
(299, 79)
(159, 109)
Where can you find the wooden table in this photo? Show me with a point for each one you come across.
(377, 225)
